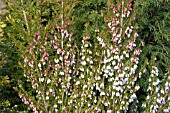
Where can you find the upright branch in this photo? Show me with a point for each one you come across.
(41, 12)
(62, 22)
(25, 18)
(121, 19)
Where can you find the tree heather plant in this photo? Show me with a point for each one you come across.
(99, 76)
(96, 77)
(158, 99)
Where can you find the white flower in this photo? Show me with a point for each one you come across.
(61, 58)
(83, 63)
(121, 57)
(108, 67)
(83, 57)
(91, 62)
(83, 51)
(95, 101)
(82, 76)
(56, 60)
(55, 106)
(166, 110)
(113, 63)
(128, 35)
(105, 75)
(88, 59)
(118, 88)
(117, 111)
(102, 85)
(106, 71)
(41, 79)
(130, 100)
(109, 24)
(39, 65)
(130, 30)
(108, 53)
(116, 67)
(86, 45)
(105, 104)
(117, 94)
(64, 108)
(47, 97)
(116, 57)
(127, 55)
(128, 87)
(162, 91)
(132, 71)
(102, 93)
(50, 90)
(128, 12)
(122, 102)
(117, 14)
(48, 81)
(133, 96)
(98, 78)
(44, 63)
(166, 84)
(85, 86)
(56, 110)
(61, 73)
(113, 94)
(149, 88)
(158, 100)
(99, 39)
(82, 43)
(144, 105)
(114, 34)
(105, 61)
(135, 67)
(97, 88)
(157, 89)
(137, 87)
(70, 71)
(120, 83)
(121, 75)
(81, 69)
(90, 52)
(114, 87)
(111, 73)
(156, 83)
(103, 44)
(148, 97)
(78, 82)
(60, 102)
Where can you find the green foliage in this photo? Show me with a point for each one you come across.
(7, 97)
(4, 80)
(26, 17)
(153, 18)
(4, 101)
(90, 15)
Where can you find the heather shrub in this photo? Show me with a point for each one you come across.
(98, 75)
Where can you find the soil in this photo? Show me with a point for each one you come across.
(2, 10)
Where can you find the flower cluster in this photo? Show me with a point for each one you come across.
(120, 62)
(94, 77)
(48, 66)
(158, 99)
